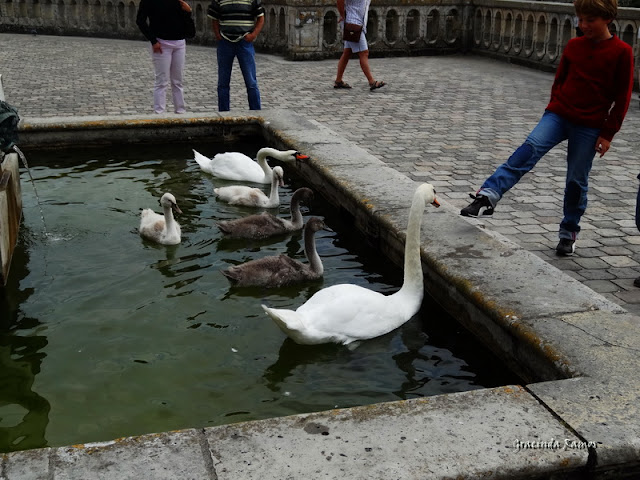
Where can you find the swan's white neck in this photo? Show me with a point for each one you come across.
(413, 284)
(263, 153)
(169, 221)
(273, 196)
(315, 263)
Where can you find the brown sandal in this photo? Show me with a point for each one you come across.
(376, 84)
(341, 84)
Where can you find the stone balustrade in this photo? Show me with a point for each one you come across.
(532, 33)
(535, 33)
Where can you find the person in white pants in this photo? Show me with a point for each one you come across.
(168, 62)
(166, 24)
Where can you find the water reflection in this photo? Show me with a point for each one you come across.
(24, 414)
(292, 356)
(427, 367)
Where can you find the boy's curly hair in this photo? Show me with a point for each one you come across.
(607, 9)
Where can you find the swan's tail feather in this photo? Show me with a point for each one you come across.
(289, 321)
(204, 162)
(224, 228)
(231, 275)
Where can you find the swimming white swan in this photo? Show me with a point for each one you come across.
(347, 313)
(238, 166)
(161, 228)
(253, 197)
(280, 270)
(265, 224)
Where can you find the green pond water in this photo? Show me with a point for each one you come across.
(103, 335)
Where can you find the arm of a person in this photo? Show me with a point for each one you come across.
(340, 5)
(251, 36)
(624, 88)
(185, 6)
(143, 24)
(213, 12)
(215, 25)
(561, 75)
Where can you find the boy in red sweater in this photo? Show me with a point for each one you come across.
(589, 99)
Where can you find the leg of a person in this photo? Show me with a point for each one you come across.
(580, 152)
(364, 65)
(342, 63)
(549, 132)
(247, 60)
(177, 68)
(226, 54)
(161, 65)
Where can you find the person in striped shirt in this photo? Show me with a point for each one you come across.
(236, 24)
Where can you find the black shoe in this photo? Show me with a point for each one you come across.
(566, 246)
(480, 204)
(636, 282)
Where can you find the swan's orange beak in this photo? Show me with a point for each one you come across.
(301, 156)
(435, 203)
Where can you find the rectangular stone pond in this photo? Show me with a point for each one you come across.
(106, 335)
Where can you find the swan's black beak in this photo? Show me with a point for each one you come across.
(435, 203)
(176, 208)
(301, 156)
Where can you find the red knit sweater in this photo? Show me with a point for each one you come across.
(590, 79)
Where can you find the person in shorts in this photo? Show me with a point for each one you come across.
(356, 12)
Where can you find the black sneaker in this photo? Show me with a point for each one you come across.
(480, 204)
(566, 246)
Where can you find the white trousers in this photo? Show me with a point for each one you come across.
(169, 66)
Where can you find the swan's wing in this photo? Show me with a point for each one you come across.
(237, 166)
(254, 226)
(273, 271)
(233, 191)
(253, 197)
(350, 311)
(151, 221)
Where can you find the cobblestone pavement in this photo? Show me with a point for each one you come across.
(449, 120)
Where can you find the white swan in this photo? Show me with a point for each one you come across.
(281, 270)
(237, 166)
(265, 224)
(253, 197)
(347, 313)
(161, 228)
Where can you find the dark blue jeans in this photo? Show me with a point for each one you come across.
(550, 131)
(245, 53)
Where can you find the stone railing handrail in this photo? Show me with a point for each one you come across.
(528, 32)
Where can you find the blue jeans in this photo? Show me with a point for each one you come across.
(550, 131)
(227, 51)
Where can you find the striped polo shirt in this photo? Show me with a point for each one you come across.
(236, 17)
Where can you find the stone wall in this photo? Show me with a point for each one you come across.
(533, 33)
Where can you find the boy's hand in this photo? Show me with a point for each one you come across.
(602, 145)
